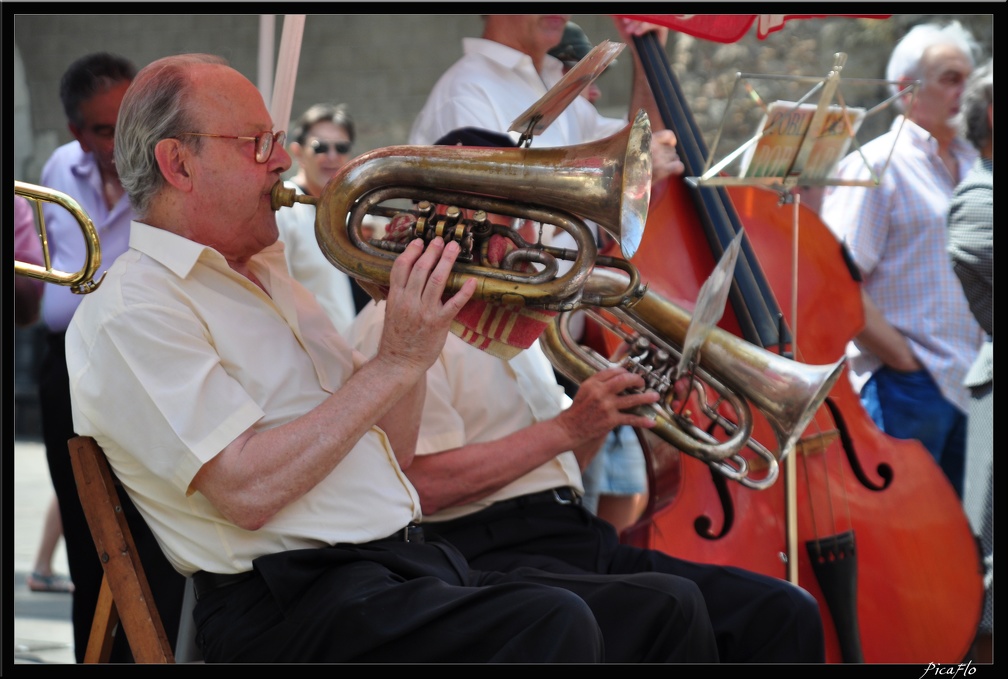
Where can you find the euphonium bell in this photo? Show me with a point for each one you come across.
(608, 182)
(81, 282)
(786, 392)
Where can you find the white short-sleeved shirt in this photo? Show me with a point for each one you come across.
(175, 355)
(491, 85)
(473, 396)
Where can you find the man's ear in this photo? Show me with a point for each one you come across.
(78, 134)
(910, 95)
(172, 159)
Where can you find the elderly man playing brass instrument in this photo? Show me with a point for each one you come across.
(269, 457)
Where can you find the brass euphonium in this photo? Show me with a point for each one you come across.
(786, 392)
(608, 182)
(81, 282)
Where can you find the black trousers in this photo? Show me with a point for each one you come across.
(756, 618)
(167, 584)
(389, 601)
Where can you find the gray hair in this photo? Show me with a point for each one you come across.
(338, 114)
(973, 122)
(906, 57)
(153, 109)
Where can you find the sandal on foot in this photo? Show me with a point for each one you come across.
(49, 583)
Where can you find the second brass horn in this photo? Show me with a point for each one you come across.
(607, 181)
(788, 393)
(82, 281)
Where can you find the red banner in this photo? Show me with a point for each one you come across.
(732, 27)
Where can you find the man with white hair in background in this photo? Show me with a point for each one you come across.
(919, 337)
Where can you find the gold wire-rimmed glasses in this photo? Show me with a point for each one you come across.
(264, 141)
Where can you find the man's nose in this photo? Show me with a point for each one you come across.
(281, 158)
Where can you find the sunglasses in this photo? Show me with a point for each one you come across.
(322, 147)
(263, 142)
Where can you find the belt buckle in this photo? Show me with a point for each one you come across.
(413, 533)
(561, 500)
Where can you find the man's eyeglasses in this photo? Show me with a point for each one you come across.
(322, 147)
(263, 142)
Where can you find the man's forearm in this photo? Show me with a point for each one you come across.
(884, 340)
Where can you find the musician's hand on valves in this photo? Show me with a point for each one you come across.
(602, 403)
(418, 318)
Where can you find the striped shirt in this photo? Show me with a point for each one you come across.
(896, 234)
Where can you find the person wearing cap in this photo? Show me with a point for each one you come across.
(499, 454)
(574, 47)
(501, 447)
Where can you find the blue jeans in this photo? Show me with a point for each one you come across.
(909, 405)
(618, 469)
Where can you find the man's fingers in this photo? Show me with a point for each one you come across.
(425, 272)
(617, 379)
(403, 264)
(440, 271)
(427, 275)
(454, 305)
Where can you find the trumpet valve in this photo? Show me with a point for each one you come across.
(450, 227)
(481, 224)
(425, 222)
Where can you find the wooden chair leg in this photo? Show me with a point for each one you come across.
(106, 618)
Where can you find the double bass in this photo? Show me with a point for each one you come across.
(879, 535)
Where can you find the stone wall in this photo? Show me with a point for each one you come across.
(383, 66)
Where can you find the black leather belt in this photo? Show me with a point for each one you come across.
(204, 582)
(411, 533)
(557, 496)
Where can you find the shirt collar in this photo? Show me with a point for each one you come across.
(83, 164)
(179, 254)
(495, 51)
(510, 58)
(960, 148)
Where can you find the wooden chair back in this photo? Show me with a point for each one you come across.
(125, 598)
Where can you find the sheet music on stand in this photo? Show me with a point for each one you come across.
(797, 141)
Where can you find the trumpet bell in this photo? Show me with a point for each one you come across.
(743, 376)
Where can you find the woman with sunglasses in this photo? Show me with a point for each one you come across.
(321, 142)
